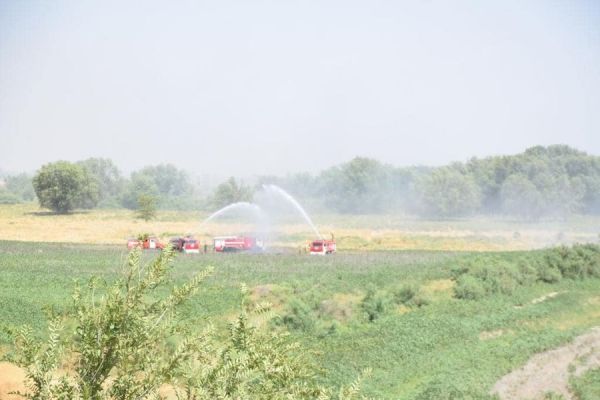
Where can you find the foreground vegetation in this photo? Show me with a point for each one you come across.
(125, 341)
(403, 314)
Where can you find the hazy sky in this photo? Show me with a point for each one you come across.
(269, 87)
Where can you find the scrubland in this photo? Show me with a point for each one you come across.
(430, 324)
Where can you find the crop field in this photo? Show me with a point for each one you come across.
(430, 324)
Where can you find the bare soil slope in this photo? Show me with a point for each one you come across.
(550, 371)
(11, 380)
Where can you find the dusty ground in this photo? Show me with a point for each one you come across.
(12, 377)
(11, 380)
(550, 371)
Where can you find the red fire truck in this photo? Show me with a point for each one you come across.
(187, 245)
(145, 242)
(322, 246)
(227, 244)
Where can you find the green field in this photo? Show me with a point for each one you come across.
(350, 310)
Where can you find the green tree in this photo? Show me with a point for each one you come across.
(229, 192)
(63, 186)
(139, 185)
(521, 197)
(7, 197)
(446, 192)
(359, 186)
(21, 186)
(106, 175)
(169, 180)
(146, 207)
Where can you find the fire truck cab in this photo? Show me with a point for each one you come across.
(187, 245)
(147, 243)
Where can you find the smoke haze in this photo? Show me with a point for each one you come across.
(242, 88)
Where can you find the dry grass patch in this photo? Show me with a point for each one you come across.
(270, 293)
(488, 335)
(341, 306)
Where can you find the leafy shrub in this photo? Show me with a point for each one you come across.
(586, 386)
(577, 262)
(374, 304)
(548, 273)
(528, 272)
(488, 276)
(405, 294)
(469, 287)
(503, 278)
(299, 316)
(419, 300)
(113, 336)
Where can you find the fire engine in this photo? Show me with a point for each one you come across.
(187, 245)
(145, 242)
(226, 244)
(322, 246)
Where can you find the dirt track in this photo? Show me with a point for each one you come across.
(550, 371)
(11, 379)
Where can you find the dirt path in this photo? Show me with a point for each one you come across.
(550, 371)
(11, 379)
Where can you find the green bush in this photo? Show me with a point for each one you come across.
(490, 275)
(577, 262)
(528, 272)
(405, 293)
(469, 287)
(419, 300)
(374, 304)
(587, 386)
(548, 273)
(299, 316)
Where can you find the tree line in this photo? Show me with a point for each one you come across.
(542, 182)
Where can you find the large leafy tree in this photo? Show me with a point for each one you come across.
(229, 192)
(63, 186)
(20, 185)
(165, 182)
(169, 180)
(521, 197)
(106, 175)
(448, 192)
(139, 185)
(358, 186)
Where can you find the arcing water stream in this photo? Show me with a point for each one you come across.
(290, 199)
(242, 206)
(259, 213)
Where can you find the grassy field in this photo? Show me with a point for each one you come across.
(350, 310)
(367, 232)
